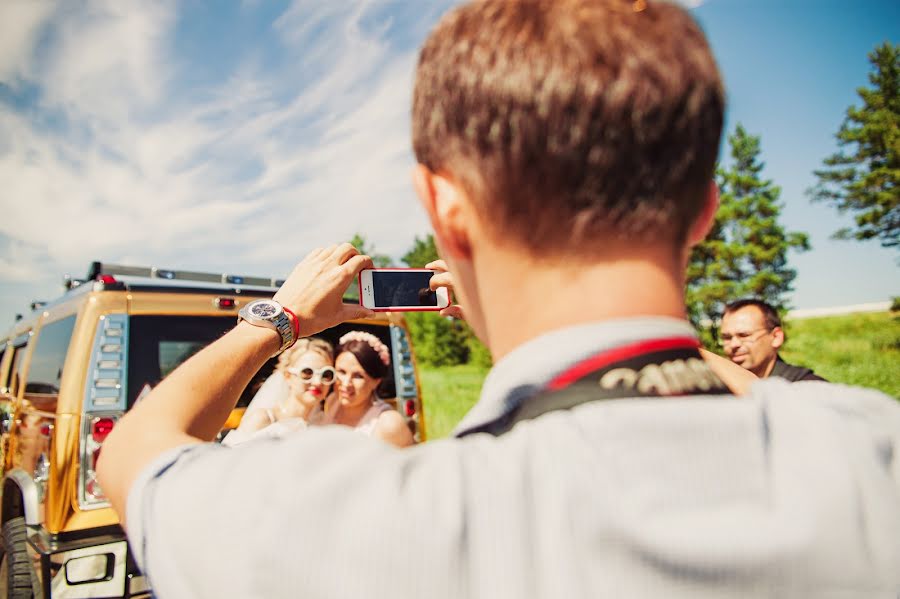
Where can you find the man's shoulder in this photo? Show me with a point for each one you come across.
(845, 401)
(793, 373)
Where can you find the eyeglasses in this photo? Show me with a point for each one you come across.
(324, 374)
(745, 338)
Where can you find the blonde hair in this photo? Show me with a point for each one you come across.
(306, 344)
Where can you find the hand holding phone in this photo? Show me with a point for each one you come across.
(400, 290)
(443, 278)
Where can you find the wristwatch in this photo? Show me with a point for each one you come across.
(269, 314)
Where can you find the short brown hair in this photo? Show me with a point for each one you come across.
(572, 122)
(769, 312)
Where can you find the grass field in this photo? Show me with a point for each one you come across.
(448, 394)
(857, 349)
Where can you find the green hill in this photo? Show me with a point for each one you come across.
(857, 349)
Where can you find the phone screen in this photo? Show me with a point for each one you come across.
(402, 289)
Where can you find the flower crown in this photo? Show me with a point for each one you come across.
(374, 342)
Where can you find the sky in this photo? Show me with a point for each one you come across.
(235, 136)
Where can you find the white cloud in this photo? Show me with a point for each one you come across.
(17, 260)
(21, 22)
(117, 160)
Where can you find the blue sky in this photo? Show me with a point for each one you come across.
(235, 136)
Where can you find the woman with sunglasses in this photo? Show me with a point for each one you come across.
(294, 396)
(362, 364)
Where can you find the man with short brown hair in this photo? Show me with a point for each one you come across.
(566, 152)
(751, 335)
(579, 102)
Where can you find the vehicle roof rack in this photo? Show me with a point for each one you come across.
(152, 272)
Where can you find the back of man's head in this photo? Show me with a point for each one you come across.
(572, 123)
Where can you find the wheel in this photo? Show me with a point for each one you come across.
(16, 569)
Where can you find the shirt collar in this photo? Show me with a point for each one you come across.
(527, 369)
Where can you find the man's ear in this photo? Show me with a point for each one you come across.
(707, 217)
(448, 209)
(777, 338)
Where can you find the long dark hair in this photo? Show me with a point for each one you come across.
(367, 357)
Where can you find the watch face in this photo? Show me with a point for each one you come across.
(264, 310)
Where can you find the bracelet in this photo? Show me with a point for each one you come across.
(295, 322)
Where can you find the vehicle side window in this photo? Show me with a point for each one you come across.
(15, 370)
(157, 344)
(45, 372)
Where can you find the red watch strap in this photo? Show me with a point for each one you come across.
(295, 322)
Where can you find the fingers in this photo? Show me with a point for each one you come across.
(441, 279)
(454, 311)
(357, 263)
(344, 252)
(437, 265)
(351, 312)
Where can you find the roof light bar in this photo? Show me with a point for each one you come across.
(100, 269)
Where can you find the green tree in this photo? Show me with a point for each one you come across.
(863, 178)
(421, 253)
(380, 261)
(745, 254)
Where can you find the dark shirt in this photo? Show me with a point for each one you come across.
(793, 373)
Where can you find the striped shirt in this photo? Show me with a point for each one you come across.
(793, 491)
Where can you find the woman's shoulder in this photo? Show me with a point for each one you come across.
(256, 419)
(391, 427)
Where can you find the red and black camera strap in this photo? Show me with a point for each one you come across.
(656, 368)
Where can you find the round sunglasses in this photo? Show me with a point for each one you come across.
(325, 374)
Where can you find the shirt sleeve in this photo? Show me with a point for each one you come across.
(322, 512)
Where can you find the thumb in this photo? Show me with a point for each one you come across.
(453, 311)
(352, 312)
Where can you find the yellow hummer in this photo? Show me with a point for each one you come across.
(71, 368)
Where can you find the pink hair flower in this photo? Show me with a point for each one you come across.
(374, 342)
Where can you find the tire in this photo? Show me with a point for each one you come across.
(20, 578)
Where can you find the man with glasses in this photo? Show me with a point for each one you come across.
(751, 335)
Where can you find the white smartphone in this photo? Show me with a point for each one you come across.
(400, 290)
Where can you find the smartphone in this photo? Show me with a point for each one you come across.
(400, 290)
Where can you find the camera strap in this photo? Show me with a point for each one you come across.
(657, 368)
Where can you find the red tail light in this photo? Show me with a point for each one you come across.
(409, 407)
(107, 279)
(97, 429)
(100, 428)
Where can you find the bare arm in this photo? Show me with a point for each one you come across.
(735, 377)
(391, 427)
(192, 403)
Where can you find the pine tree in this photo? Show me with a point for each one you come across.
(864, 177)
(745, 254)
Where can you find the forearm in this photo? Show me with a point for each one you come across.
(735, 377)
(188, 406)
(197, 397)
